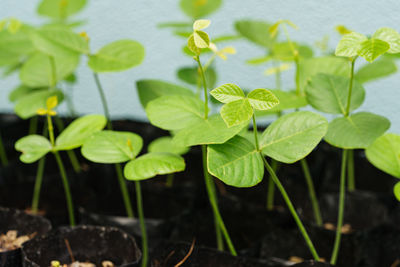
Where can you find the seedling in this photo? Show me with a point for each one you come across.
(239, 162)
(120, 147)
(35, 147)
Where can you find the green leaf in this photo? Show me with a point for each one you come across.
(60, 9)
(259, 60)
(262, 99)
(384, 153)
(287, 100)
(152, 164)
(28, 105)
(190, 75)
(174, 112)
(236, 162)
(149, 90)
(391, 36)
(20, 92)
(117, 56)
(112, 146)
(201, 39)
(228, 92)
(375, 70)
(255, 31)
(328, 65)
(293, 136)
(14, 46)
(79, 130)
(350, 44)
(210, 131)
(284, 52)
(329, 93)
(166, 144)
(396, 190)
(192, 45)
(201, 24)
(236, 112)
(199, 8)
(33, 147)
(37, 71)
(372, 48)
(359, 130)
(59, 40)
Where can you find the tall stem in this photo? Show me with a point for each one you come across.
(339, 224)
(118, 168)
(3, 155)
(255, 132)
(351, 183)
(204, 87)
(213, 202)
(38, 185)
(311, 192)
(291, 209)
(271, 186)
(142, 222)
(67, 191)
(350, 87)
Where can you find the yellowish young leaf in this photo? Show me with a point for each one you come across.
(51, 102)
(201, 24)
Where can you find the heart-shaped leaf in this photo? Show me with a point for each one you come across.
(359, 130)
(79, 130)
(228, 92)
(293, 136)
(174, 112)
(372, 48)
(349, 45)
(391, 36)
(166, 144)
(384, 153)
(329, 93)
(236, 112)
(112, 146)
(236, 162)
(117, 56)
(33, 147)
(28, 105)
(152, 164)
(262, 99)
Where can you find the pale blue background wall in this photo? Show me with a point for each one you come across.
(137, 19)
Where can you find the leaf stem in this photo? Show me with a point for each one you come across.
(38, 185)
(311, 192)
(103, 100)
(204, 87)
(271, 186)
(213, 202)
(142, 222)
(353, 60)
(339, 224)
(3, 155)
(67, 191)
(291, 209)
(170, 180)
(351, 183)
(255, 131)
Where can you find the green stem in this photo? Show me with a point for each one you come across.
(342, 192)
(121, 180)
(311, 191)
(3, 155)
(350, 87)
(33, 122)
(170, 180)
(38, 185)
(255, 132)
(213, 201)
(291, 209)
(218, 233)
(139, 201)
(278, 78)
(204, 87)
(124, 191)
(271, 186)
(351, 183)
(67, 191)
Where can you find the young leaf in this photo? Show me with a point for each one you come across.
(262, 99)
(359, 130)
(349, 45)
(390, 36)
(236, 112)
(151, 89)
(174, 112)
(255, 31)
(117, 56)
(375, 70)
(79, 130)
(329, 93)
(199, 8)
(60, 9)
(372, 48)
(210, 131)
(166, 144)
(152, 164)
(28, 105)
(201, 39)
(192, 45)
(287, 100)
(201, 24)
(293, 136)
(236, 162)
(396, 190)
(228, 92)
(112, 146)
(33, 147)
(384, 153)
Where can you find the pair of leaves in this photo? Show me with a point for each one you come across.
(288, 139)
(34, 147)
(118, 147)
(238, 108)
(199, 39)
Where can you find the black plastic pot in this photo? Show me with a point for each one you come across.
(25, 224)
(88, 243)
